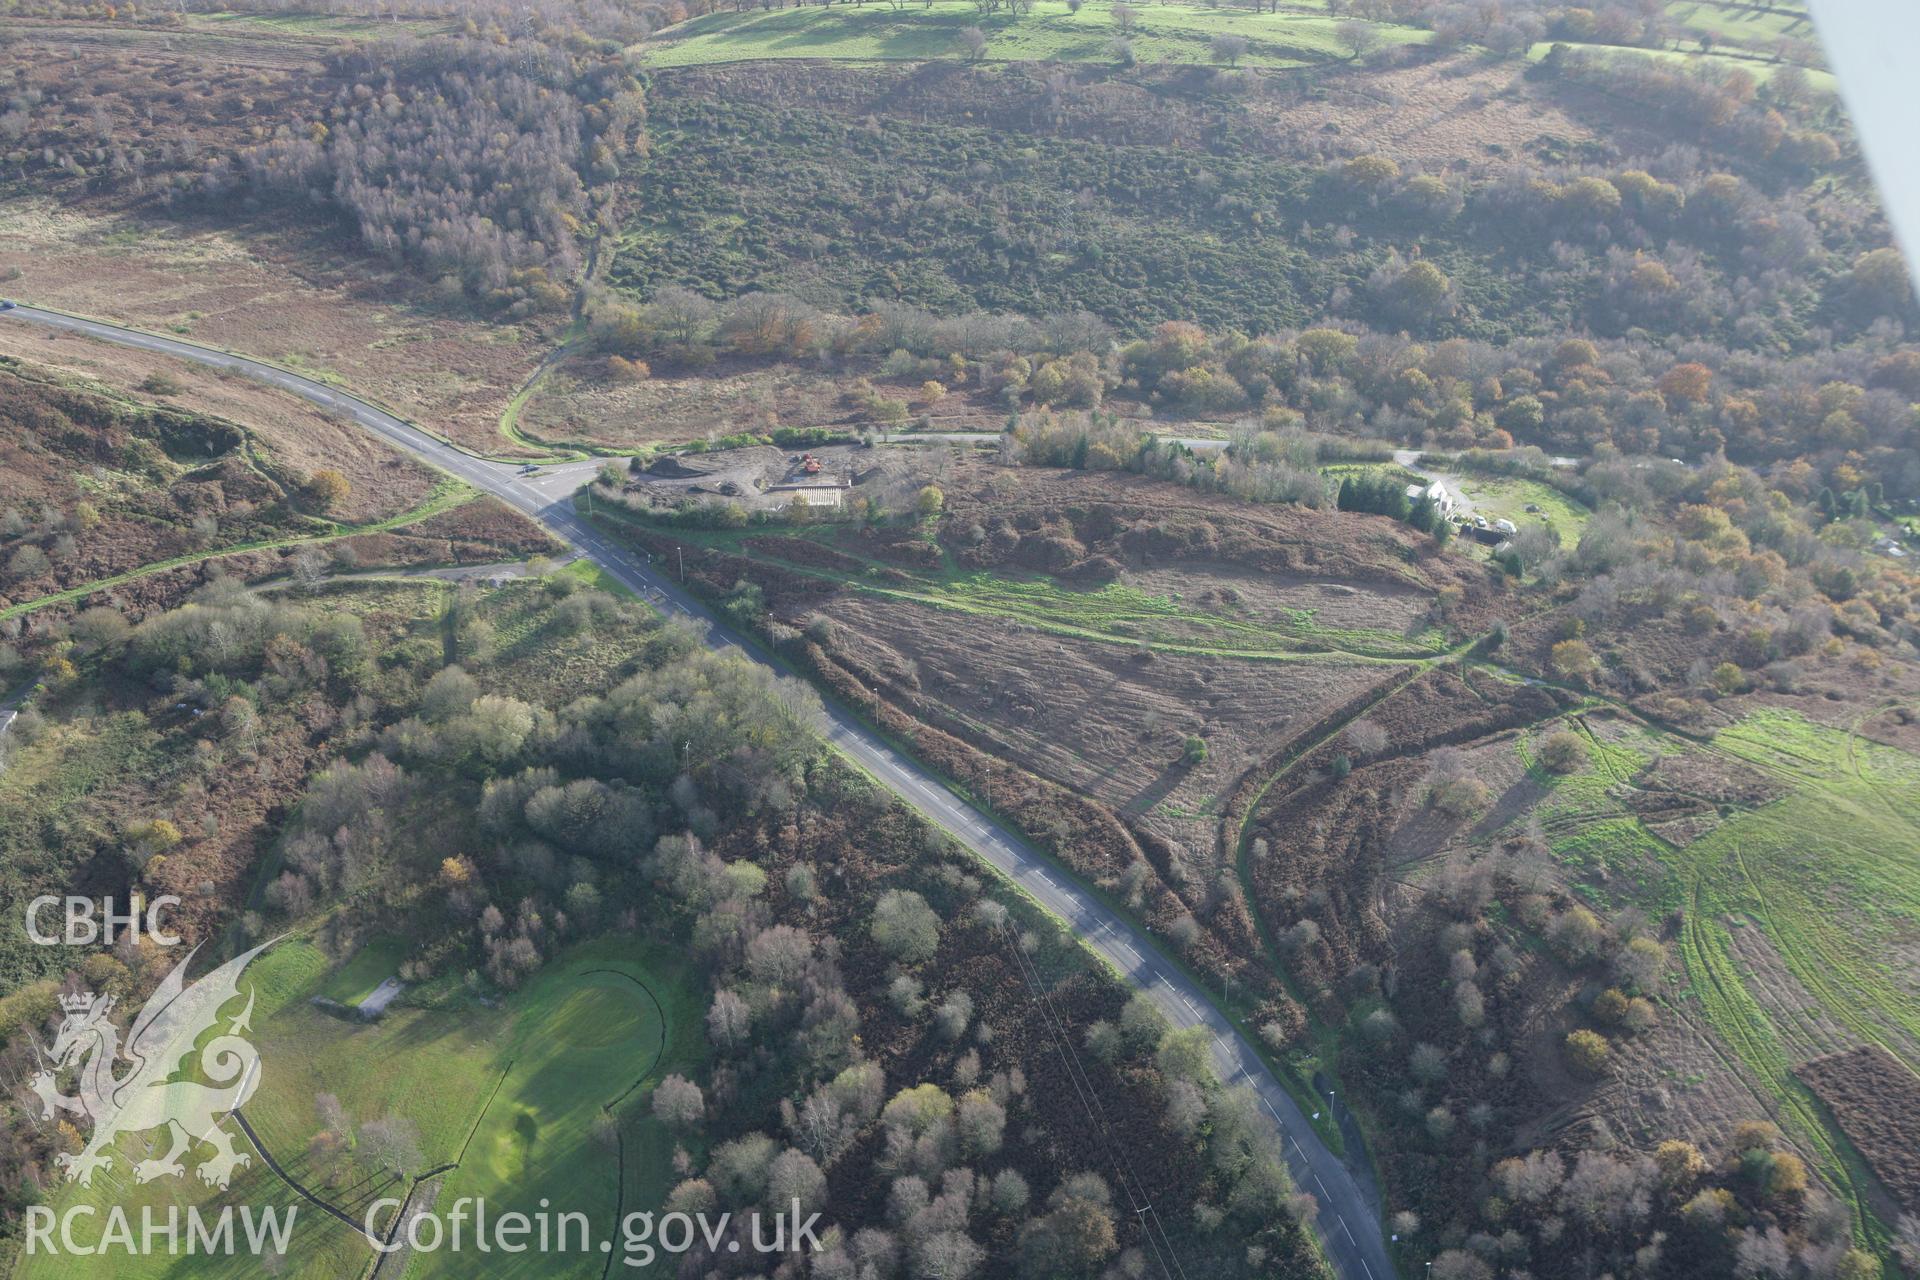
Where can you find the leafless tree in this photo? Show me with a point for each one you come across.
(1360, 37)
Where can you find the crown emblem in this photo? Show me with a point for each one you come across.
(89, 1048)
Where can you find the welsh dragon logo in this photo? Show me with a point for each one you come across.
(147, 1094)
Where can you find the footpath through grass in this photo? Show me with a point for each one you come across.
(536, 449)
(1110, 613)
(447, 494)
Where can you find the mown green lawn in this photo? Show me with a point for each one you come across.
(598, 1031)
(878, 33)
(1507, 498)
(511, 1090)
(365, 970)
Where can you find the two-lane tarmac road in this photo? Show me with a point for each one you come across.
(1348, 1221)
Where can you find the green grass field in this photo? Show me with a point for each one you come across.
(1761, 69)
(1587, 826)
(1830, 871)
(365, 970)
(510, 1091)
(1748, 26)
(1493, 496)
(596, 1031)
(1507, 498)
(1827, 873)
(1160, 33)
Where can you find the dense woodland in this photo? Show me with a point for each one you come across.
(485, 167)
(1827, 420)
(474, 163)
(1717, 331)
(879, 1049)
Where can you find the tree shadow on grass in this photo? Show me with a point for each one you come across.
(1514, 803)
(1159, 789)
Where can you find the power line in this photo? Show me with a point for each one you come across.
(1046, 997)
(1130, 1184)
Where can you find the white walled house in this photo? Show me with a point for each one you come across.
(1442, 497)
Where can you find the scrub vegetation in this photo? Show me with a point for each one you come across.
(1412, 503)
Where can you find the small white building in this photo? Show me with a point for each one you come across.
(1436, 491)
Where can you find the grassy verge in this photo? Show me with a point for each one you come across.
(592, 575)
(1113, 613)
(447, 494)
(291, 365)
(538, 450)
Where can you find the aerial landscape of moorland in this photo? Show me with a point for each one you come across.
(1064, 638)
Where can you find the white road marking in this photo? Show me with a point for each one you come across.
(493, 478)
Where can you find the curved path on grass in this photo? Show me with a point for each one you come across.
(306, 1193)
(435, 503)
(1348, 1222)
